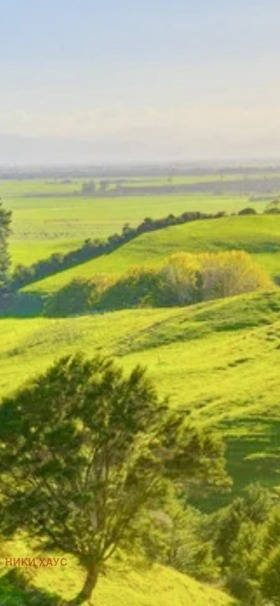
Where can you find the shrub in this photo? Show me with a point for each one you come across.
(273, 208)
(270, 576)
(182, 279)
(140, 287)
(77, 297)
(231, 273)
(247, 211)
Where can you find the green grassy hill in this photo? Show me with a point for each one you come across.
(126, 583)
(218, 360)
(258, 235)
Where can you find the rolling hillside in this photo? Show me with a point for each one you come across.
(258, 235)
(217, 360)
(131, 582)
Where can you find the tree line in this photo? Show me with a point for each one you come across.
(92, 249)
(181, 279)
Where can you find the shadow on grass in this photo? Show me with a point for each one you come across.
(15, 590)
(22, 305)
(253, 456)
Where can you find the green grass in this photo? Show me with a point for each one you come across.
(258, 235)
(29, 251)
(126, 583)
(217, 360)
(10, 188)
(13, 188)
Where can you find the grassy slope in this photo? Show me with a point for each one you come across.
(218, 360)
(29, 251)
(126, 583)
(259, 235)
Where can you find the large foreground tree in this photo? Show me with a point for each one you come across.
(5, 220)
(86, 450)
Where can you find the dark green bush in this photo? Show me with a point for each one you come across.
(78, 297)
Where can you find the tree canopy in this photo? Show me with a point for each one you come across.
(86, 450)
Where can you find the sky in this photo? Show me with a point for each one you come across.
(90, 81)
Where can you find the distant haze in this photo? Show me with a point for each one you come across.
(85, 81)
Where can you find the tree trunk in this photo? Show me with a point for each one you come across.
(89, 585)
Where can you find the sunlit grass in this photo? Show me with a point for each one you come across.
(258, 235)
(218, 360)
(126, 582)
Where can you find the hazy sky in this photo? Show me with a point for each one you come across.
(88, 80)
